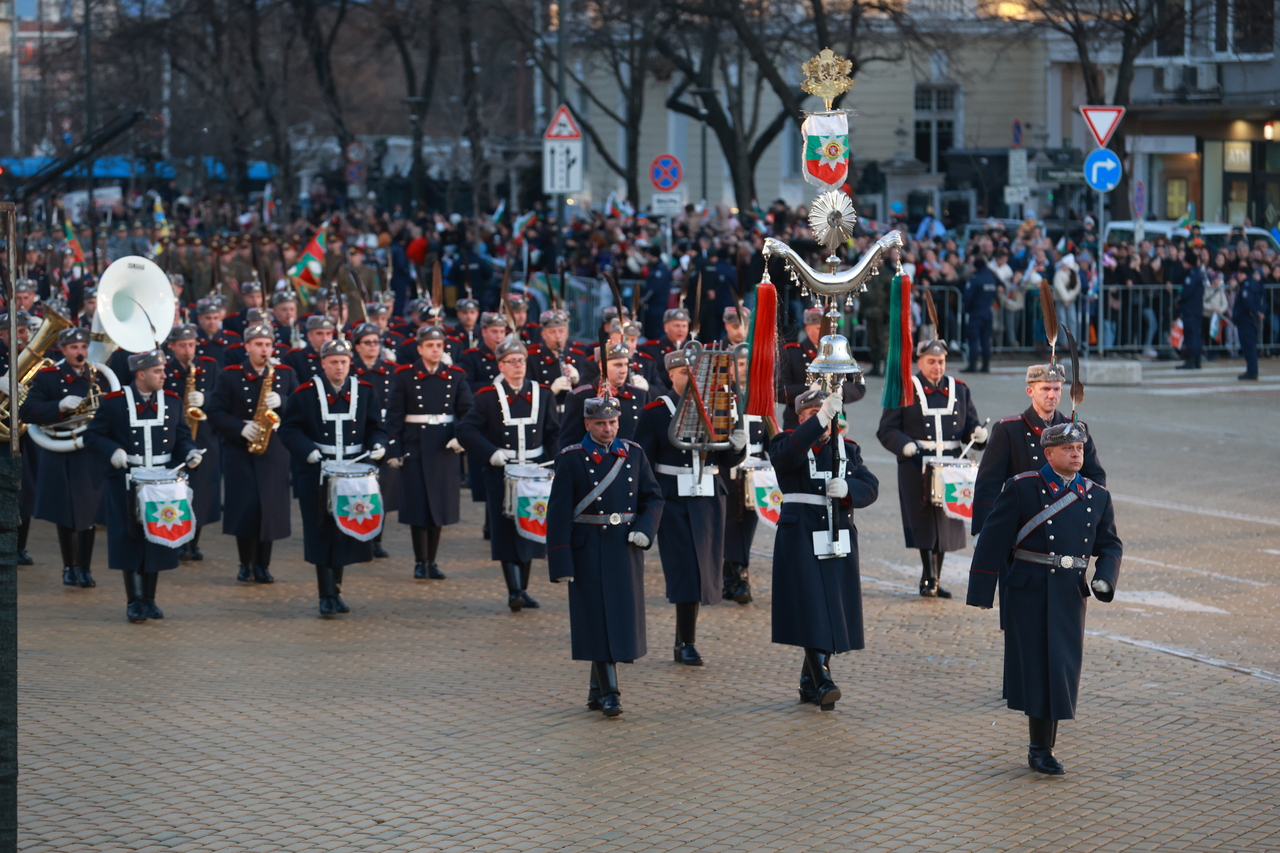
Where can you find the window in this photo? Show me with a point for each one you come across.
(1171, 17)
(1253, 24)
(937, 115)
(1175, 198)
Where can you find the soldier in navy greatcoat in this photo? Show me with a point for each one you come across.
(30, 450)
(206, 481)
(512, 421)
(305, 360)
(554, 361)
(69, 483)
(741, 518)
(692, 540)
(250, 297)
(796, 358)
(427, 400)
(1037, 541)
(467, 332)
(530, 332)
(214, 339)
(284, 318)
(939, 423)
(675, 331)
(641, 369)
(334, 417)
(140, 425)
(631, 399)
(817, 600)
(369, 365)
(259, 514)
(603, 514)
(482, 370)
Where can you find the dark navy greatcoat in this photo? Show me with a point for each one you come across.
(237, 354)
(741, 519)
(642, 365)
(127, 547)
(430, 479)
(68, 485)
(379, 375)
(481, 369)
(817, 604)
(257, 486)
(1043, 607)
(305, 362)
(482, 431)
(606, 597)
(631, 399)
(544, 367)
(216, 346)
(206, 480)
(792, 380)
(1014, 448)
(301, 430)
(692, 540)
(923, 524)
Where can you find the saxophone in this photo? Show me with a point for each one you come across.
(262, 416)
(194, 414)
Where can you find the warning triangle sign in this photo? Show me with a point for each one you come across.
(1102, 122)
(562, 126)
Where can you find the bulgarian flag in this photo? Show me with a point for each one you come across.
(521, 222)
(308, 271)
(500, 211)
(612, 209)
(72, 241)
(826, 149)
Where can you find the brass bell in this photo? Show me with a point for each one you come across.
(834, 356)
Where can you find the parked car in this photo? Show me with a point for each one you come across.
(1214, 234)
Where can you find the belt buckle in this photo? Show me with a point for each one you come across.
(1066, 562)
(615, 518)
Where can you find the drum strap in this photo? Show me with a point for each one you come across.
(936, 413)
(338, 420)
(1045, 514)
(519, 423)
(145, 424)
(602, 486)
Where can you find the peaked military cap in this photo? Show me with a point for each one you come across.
(554, 318)
(316, 323)
(364, 330)
(337, 346)
(810, 399)
(932, 347)
(183, 332)
(731, 315)
(812, 316)
(601, 408)
(261, 330)
(467, 304)
(675, 314)
(491, 319)
(430, 333)
(1065, 433)
(511, 345)
(147, 360)
(676, 358)
(73, 336)
(280, 297)
(250, 287)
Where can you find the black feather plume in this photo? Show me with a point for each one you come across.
(1077, 386)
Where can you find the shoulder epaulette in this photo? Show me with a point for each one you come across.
(643, 354)
(471, 350)
(788, 431)
(1025, 474)
(50, 369)
(402, 368)
(792, 345)
(455, 367)
(485, 388)
(234, 367)
(113, 395)
(366, 384)
(533, 325)
(630, 442)
(960, 381)
(208, 358)
(173, 394)
(564, 450)
(304, 386)
(283, 367)
(295, 349)
(582, 388)
(534, 348)
(654, 404)
(1010, 419)
(233, 346)
(545, 385)
(229, 332)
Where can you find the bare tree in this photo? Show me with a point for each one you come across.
(402, 21)
(320, 24)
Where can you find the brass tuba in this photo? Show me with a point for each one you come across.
(30, 362)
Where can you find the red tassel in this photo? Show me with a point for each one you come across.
(907, 358)
(764, 353)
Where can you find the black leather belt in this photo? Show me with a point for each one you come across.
(1059, 560)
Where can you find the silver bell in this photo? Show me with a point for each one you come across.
(834, 356)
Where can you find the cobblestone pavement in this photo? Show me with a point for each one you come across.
(432, 719)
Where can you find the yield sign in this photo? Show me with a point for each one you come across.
(562, 126)
(1102, 122)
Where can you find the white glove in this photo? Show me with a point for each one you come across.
(831, 409)
(980, 435)
(561, 383)
(837, 488)
(273, 400)
(250, 431)
(395, 462)
(377, 453)
(638, 539)
(573, 373)
(639, 381)
(119, 459)
(69, 402)
(388, 355)
(500, 457)
(313, 457)
(1101, 586)
(911, 449)
(737, 439)
(452, 444)
(446, 359)
(196, 398)
(194, 458)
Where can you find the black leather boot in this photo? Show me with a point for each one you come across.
(730, 575)
(742, 594)
(610, 696)
(808, 691)
(67, 544)
(433, 547)
(593, 692)
(149, 594)
(84, 556)
(529, 601)
(418, 536)
(24, 528)
(327, 589)
(1040, 750)
(136, 610)
(819, 662)
(262, 564)
(484, 531)
(339, 606)
(379, 552)
(937, 575)
(928, 586)
(247, 546)
(511, 574)
(193, 547)
(687, 633)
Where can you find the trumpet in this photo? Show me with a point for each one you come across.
(194, 413)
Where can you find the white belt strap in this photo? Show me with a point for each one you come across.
(940, 445)
(798, 498)
(337, 449)
(428, 419)
(148, 457)
(156, 459)
(677, 470)
(937, 413)
(519, 423)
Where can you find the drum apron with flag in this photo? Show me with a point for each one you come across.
(951, 486)
(527, 492)
(149, 516)
(762, 493)
(355, 498)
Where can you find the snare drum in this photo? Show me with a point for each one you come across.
(354, 498)
(951, 485)
(333, 472)
(749, 470)
(171, 482)
(514, 476)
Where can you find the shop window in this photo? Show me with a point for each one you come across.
(937, 114)
(1175, 198)
(1237, 201)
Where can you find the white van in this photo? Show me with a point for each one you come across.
(1213, 233)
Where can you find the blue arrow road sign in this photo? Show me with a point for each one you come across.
(1102, 170)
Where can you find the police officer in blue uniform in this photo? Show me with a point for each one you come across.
(817, 592)
(260, 513)
(511, 421)
(794, 367)
(692, 542)
(979, 294)
(139, 425)
(335, 416)
(657, 289)
(305, 360)
(1248, 313)
(69, 482)
(603, 515)
(206, 481)
(630, 399)
(426, 401)
(1037, 542)
(1191, 310)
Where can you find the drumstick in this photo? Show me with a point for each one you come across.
(965, 451)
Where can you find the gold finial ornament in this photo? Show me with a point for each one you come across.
(827, 76)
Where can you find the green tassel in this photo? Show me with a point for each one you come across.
(891, 397)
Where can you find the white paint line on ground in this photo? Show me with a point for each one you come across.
(1204, 572)
(1166, 600)
(1270, 551)
(1205, 389)
(1182, 653)
(1195, 510)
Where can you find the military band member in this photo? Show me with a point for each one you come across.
(741, 519)
(284, 317)
(27, 298)
(30, 450)
(817, 600)
(1014, 446)
(553, 361)
(250, 297)
(692, 541)
(369, 366)
(259, 513)
(675, 331)
(630, 400)
(1036, 542)
(333, 417)
(426, 401)
(793, 370)
(213, 340)
(735, 327)
(940, 422)
(141, 425)
(355, 280)
(530, 332)
(646, 372)
(482, 369)
(69, 483)
(206, 484)
(467, 332)
(603, 514)
(305, 360)
(511, 421)
(379, 314)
